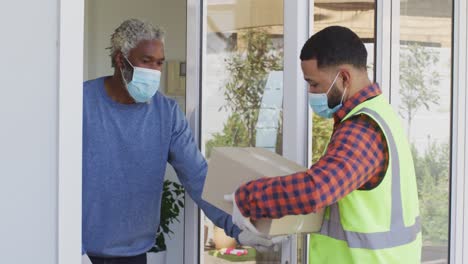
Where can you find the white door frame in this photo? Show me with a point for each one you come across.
(192, 245)
(383, 38)
(295, 107)
(70, 46)
(459, 185)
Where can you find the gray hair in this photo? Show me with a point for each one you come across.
(130, 33)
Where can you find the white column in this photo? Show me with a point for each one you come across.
(295, 110)
(459, 199)
(383, 41)
(70, 130)
(295, 107)
(192, 245)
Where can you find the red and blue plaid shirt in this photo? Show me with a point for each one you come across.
(356, 158)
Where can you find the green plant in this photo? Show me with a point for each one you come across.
(418, 81)
(321, 132)
(248, 68)
(172, 201)
(234, 134)
(432, 173)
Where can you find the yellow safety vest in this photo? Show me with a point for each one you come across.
(381, 225)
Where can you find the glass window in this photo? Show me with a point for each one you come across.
(422, 99)
(242, 93)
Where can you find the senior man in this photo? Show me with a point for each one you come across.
(130, 132)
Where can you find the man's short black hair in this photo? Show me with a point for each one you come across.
(333, 46)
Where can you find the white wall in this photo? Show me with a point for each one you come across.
(101, 19)
(29, 131)
(103, 16)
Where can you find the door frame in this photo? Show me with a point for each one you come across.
(70, 83)
(458, 245)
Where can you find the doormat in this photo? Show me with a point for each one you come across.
(250, 256)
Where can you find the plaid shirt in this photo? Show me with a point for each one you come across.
(356, 158)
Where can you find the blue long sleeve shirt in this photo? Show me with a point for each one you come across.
(125, 152)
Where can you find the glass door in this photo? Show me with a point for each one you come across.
(241, 95)
(421, 92)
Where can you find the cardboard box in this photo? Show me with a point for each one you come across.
(230, 167)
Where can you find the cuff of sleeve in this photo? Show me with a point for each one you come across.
(242, 200)
(235, 233)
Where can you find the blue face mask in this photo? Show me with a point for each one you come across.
(319, 102)
(144, 83)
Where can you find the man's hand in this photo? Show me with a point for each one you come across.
(277, 241)
(237, 218)
(249, 235)
(261, 244)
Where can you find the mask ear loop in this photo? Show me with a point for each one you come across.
(342, 97)
(334, 80)
(123, 77)
(121, 70)
(128, 61)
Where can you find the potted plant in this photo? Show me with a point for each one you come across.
(172, 201)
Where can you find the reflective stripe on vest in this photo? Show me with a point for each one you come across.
(398, 234)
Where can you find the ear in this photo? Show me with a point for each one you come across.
(346, 78)
(118, 59)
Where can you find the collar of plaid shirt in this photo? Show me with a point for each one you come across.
(364, 94)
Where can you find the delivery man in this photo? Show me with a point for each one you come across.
(365, 179)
